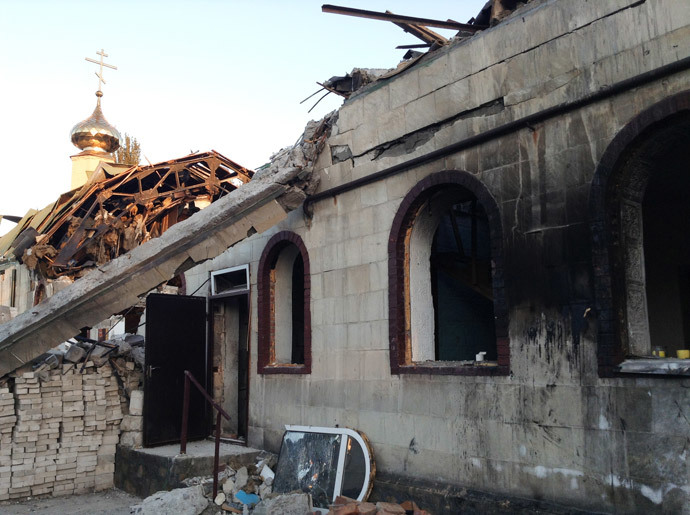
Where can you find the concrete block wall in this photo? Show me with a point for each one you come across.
(58, 436)
(23, 288)
(552, 429)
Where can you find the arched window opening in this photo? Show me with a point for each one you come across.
(287, 283)
(445, 309)
(284, 309)
(641, 247)
(666, 244)
(461, 284)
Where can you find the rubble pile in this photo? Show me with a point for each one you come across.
(249, 490)
(240, 486)
(346, 506)
(61, 418)
(300, 159)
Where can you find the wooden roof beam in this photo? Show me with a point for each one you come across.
(413, 20)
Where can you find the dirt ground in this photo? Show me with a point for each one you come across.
(109, 502)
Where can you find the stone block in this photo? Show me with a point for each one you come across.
(653, 459)
(670, 410)
(74, 354)
(131, 439)
(132, 423)
(136, 402)
(420, 113)
(379, 396)
(434, 74)
(333, 283)
(373, 194)
(285, 504)
(404, 89)
(357, 280)
(391, 125)
(364, 138)
(350, 116)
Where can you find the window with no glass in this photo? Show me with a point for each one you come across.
(445, 310)
(284, 309)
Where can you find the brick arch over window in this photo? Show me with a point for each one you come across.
(399, 266)
(616, 200)
(280, 244)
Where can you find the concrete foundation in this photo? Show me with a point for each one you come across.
(143, 472)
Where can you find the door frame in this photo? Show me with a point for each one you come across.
(220, 298)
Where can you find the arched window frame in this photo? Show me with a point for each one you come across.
(607, 228)
(266, 311)
(400, 359)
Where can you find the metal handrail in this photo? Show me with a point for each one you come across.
(189, 377)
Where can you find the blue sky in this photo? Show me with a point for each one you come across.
(202, 75)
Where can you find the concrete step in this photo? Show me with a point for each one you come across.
(143, 472)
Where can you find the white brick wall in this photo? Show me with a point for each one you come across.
(61, 437)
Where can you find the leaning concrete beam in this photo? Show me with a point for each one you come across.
(117, 284)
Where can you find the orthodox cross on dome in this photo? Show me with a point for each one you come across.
(99, 73)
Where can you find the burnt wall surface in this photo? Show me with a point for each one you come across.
(552, 428)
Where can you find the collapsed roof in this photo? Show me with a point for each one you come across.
(119, 208)
(493, 12)
(253, 208)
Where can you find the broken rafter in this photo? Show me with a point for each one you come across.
(427, 35)
(315, 92)
(319, 100)
(412, 20)
(333, 90)
(113, 214)
(407, 47)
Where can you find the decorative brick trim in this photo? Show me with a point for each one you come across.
(265, 303)
(402, 223)
(610, 174)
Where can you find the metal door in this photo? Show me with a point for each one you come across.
(175, 342)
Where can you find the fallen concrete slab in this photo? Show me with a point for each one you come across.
(116, 285)
(255, 207)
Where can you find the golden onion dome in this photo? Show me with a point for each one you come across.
(95, 133)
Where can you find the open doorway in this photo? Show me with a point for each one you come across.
(230, 336)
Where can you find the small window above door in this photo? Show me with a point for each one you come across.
(230, 281)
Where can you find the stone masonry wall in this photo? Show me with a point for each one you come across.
(552, 429)
(58, 436)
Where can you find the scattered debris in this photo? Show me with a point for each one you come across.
(347, 506)
(247, 489)
(351, 82)
(246, 498)
(181, 501)
(665, 366)
(220, 499)
(287, 504)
